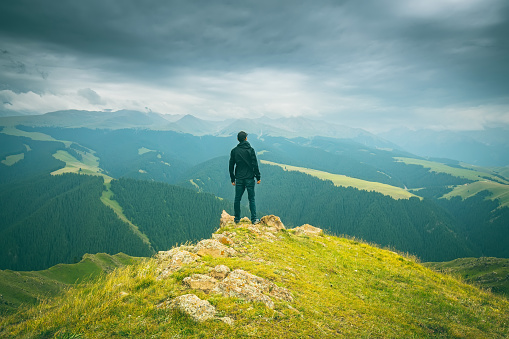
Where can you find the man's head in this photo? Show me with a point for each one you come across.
(241, 136)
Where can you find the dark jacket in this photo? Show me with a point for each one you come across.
(243, 159)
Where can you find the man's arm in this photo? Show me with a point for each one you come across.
(231, 167)
(256, 170)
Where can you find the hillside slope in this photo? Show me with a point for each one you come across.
(485, 272)
(267, 281)
(28, 288)
(57, 219)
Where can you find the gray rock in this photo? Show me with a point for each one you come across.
(199, 310)
(201, 282)
(242, 284)
(213, 248)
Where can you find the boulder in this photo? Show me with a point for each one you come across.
(273, 222)
(199, 310)
(201, 282)
(308, 230)
(226, 219)
(220, 272)
(172, 260)
(242, 284)
(213, 248)
(223, 239)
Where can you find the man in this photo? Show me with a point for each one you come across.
(243, 169)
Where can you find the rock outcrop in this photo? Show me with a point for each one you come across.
(308, 230)
(198, 309)
(172, 260)
(221, 279)
(220, 272)
(200, 282)
(213, 248)
(244, 285)
(272, 222)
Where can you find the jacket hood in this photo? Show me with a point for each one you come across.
(244, 144)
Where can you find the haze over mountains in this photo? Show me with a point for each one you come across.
(488, 147)
(264, 126)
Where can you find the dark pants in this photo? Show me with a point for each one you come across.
(240, 186)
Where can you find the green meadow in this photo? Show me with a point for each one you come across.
(32, 135)
(345, 181)
(470, 174)
(499, 191)
(12, 159)
(484, 179)
(144, 150)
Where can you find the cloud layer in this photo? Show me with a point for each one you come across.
(374, 65)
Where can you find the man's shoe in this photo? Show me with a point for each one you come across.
(256, 221)
(236, 221)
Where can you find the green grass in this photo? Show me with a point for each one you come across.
(344, 181)
(503, 171)
(89, 165)
(484, 180)
(29, 288)
(12, 159)
(341, 288)
(32, 135)
(144, 150)
(488, 273)
(474, 174)
(466, 191)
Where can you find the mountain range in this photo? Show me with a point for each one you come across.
(263, 126)
(487, 147)
(76, 182)
(436, 210)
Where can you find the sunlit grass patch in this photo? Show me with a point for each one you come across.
(345, 181)
(470, 174)
(12, 159)
(9, 130)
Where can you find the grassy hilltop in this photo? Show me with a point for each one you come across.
(340, 288)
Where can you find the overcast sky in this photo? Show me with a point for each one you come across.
(373, 64)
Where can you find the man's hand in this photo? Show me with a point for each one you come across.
(259, 181)
(233, 183)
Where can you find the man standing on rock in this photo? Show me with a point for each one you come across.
(243, 169)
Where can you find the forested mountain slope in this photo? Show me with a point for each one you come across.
(33, 158)
(168, 215)
(57, 219)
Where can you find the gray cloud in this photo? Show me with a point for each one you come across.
(92, 96)
(390, 60)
